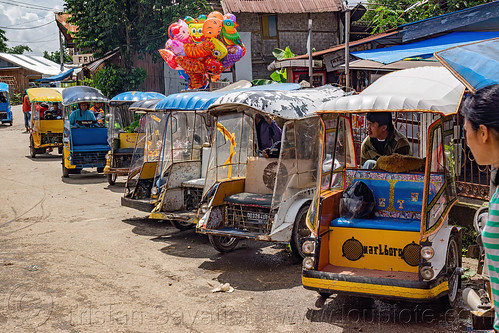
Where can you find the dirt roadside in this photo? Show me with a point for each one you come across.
(73, 260)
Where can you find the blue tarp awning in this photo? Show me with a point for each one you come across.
(424, 48)
(58, 77)
(476, 64)
(4, 86)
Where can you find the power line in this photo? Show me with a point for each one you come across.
(15, 25)
(27, 28)
(25, 5)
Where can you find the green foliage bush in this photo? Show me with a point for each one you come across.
(16, 99)
(113, 80)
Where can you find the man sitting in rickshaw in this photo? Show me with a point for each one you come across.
(382, 140)
(98, 112)
(81, 114)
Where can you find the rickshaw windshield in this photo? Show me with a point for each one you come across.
(232, 145)
(185, 135)
(121, 120)
(149, 143)
(300, 152)
(338, 150)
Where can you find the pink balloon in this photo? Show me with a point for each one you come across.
(175, 46)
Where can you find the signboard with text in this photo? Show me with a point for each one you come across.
(81, 59)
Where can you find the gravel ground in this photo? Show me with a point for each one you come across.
(73, 260)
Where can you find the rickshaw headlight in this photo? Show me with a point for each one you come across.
(154, 190)
(204, 208)
(107, 156)
(427, 252)
(426, 272)
(69, 158)
(308, 247)
(308, 263)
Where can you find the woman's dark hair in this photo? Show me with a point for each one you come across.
(483, 108)
(382, 118)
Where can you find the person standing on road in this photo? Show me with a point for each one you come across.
(481, 123)
(26, 111)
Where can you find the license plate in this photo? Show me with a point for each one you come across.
(257, 217)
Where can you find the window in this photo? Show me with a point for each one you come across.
(269, 27)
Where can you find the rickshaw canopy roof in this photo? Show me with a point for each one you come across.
(423, 89)
(147, 105)
(476, 65)
(44, 95)
(201, 100)
(133, 96)
(4, 86)
(72, 95)
(284, 104)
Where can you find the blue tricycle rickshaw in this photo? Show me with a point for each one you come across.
(5, 112)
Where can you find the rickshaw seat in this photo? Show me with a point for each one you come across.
(89, 139)
(250, 199)
(380, 223)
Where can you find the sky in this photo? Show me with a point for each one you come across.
(17, 15)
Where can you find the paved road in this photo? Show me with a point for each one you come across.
(73, 260)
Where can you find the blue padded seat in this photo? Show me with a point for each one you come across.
(89, 139)
(381, 223)
(251, 199)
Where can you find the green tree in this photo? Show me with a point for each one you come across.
(130, 25)
(56, 56)
(19, 49)
(387, 14)
(113, 79)
(3, 41)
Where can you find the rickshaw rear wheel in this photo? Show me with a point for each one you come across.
(183, 225)
(223, 244)
(300, 231)
(111, 178)
(10, 123)
(32, 149)
(452, 261)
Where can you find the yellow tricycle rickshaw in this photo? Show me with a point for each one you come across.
(47, 125)
(405, 247)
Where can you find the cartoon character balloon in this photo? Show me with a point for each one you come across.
(201, 48)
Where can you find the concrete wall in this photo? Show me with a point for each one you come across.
(292, 30)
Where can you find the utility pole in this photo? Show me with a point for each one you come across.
(61, 50)
(309, 50)
(347, 45)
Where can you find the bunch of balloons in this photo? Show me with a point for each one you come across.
(201, 49)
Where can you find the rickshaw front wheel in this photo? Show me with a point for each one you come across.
(111, 178)
(223, 244)
(300, 231)
(452, 262)
(65, 171)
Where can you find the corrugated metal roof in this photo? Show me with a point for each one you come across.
(62, 18)
(35, 63)
(281, 6)
(341, 46)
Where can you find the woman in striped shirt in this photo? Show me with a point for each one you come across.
(481, 123)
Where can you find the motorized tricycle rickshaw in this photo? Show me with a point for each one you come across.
(255, 197)
(170, 142)
(475, 65)
(5, 111)
(123, 124)
(399, 245)
(85, 139)
(47, 125)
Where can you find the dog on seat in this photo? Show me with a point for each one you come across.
(400, 163)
